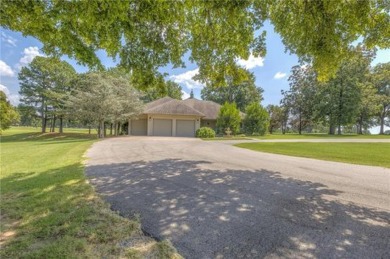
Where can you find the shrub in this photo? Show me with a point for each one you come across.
(205, 132)
(229, 117)
(256, 120)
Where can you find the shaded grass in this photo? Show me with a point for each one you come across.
(319, 135)
(48, 210)
(375, 154)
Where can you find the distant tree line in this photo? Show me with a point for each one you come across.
(355, 99)
(54, 95)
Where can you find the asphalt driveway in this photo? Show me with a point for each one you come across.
(214, 200)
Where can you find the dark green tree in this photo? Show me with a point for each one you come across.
(45, 83)
(300, 98)
(242, 94)
(381, 82)
(256, 121)
(28, 115)
(276, 117)
(339, 99)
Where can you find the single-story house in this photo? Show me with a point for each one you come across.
(172, 117)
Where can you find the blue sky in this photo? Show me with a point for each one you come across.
(271, 71)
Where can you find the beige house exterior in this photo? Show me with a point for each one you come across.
(176, 118)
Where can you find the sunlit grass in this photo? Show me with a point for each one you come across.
(48, 210)
(320, 135)
(375, 154)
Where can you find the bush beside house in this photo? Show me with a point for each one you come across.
(205, 132)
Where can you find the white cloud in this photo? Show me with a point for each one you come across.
(251, 62)
(13, 98)
(186, 79)
(184, 95)
(5, 70)
(28, 55)
(8, 39)
(280, 75)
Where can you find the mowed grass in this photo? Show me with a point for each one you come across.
(317, 136)
(375, 154)
(48, 210)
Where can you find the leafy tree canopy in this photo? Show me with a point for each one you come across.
(229, 117)
(8, 114)
(101, 97)
(256, 119)
(381, 82)
(152, 87)
(146, 35)
(242, 93)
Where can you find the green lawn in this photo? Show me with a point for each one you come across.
(48, 210)
(316, 136)
(376, 154)
(226, 138)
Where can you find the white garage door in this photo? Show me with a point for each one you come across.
(162, 127)
(139, 127)
(185, 128)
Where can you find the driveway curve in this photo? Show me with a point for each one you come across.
(214, 200)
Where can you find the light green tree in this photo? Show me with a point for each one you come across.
(146, 35)
(8, 114)
(228, 117)
(101, 97)
(256, 121)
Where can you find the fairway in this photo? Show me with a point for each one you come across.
(375, 154)
(48, 210)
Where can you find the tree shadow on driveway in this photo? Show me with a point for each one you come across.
(209, 213)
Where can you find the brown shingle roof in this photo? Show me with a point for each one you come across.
(158, 102)
(208, 108)
(171, 107)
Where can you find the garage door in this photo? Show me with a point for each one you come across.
(185, 128)
(162, 127)
(139, 127)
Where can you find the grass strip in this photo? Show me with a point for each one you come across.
(374, 154)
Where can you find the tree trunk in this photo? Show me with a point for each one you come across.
(101, 129)
(331, 129)
(61, 125)
(115, 128)
(53, 124)
(44, 117)
(300, 124)
(339, 129)
(110, 129)
(382, 124)
(104, 129)
(89, 130)
(360, 126)
(119, 129)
